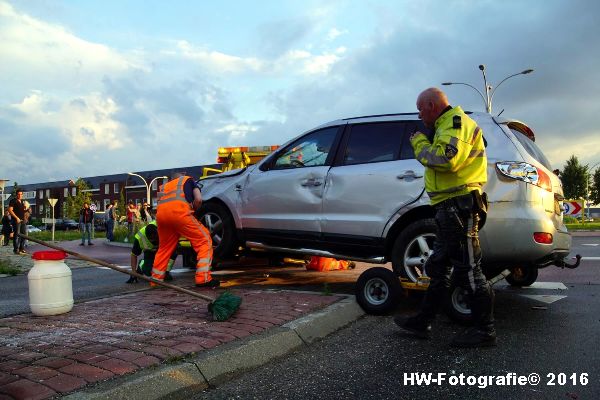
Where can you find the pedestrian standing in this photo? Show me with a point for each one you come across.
(455, 171)
(131, 209)
(86, 218)
(110, 221)
(6, 228)
(17, 209)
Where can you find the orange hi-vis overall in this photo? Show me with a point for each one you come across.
(175, 218)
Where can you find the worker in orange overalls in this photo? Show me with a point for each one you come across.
(177, 201)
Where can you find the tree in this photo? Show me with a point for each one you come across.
(121, 209)
(595, 197)
(75, 203)
(574, 179)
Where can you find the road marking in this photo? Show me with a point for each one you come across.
(544, 298)
(590, 244)
(589, 258)
(547, 285)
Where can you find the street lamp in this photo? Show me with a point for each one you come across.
(489, 93)
(2, 183)
(148, 185)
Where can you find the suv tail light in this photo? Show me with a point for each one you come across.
(542, 237)
(525, 172)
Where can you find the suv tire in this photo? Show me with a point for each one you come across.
(522, 276)
(377, 290)
(217, 219)
(414, 243)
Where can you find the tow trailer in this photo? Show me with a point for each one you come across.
(379, 290)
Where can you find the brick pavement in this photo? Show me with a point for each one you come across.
(43, 357)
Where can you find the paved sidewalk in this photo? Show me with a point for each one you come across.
(162, 341)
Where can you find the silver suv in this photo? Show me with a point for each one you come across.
(352, 189)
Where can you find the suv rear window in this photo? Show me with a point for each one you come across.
(368, 143)
(532, 148)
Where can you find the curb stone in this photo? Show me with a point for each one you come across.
(218, 365)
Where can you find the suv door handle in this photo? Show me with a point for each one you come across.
(238, 188)
(311, 182)
(409, 174)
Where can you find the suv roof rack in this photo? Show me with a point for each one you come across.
(380, 115)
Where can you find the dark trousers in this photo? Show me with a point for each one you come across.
(18, 242)
(110, 226)
(457, 257)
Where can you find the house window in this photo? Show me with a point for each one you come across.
(73, 191)
(106, 188)
(106, 203)
(47, 193)
(41, 194)
(155, 184)
(66, 193)
(116, 188)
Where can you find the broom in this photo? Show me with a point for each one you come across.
(221, 308)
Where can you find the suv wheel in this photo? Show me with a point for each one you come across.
(522, 276)
(412, 248)
(218, 221)
(377, 290)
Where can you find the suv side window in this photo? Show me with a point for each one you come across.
(374, 142)
(407, 152)
(312, 150)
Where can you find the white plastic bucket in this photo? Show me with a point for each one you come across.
(50, 284)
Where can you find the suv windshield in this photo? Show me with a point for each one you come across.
(532, 148)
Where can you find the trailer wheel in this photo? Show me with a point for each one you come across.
(522, 276)
(377, 290)
(457, 305)
(217, 219)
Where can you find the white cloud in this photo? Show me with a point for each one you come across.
(85, 122)
(48, 56)
(334, 33)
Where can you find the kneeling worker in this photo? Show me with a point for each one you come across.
(146, 241)
(177, 201)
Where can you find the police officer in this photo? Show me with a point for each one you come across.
(146, 241)
(455, 171)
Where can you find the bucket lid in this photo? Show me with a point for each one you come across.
(49, 255)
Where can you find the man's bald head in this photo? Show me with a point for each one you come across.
(430, 103)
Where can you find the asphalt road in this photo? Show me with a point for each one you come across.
(552, 328)
(542, 330)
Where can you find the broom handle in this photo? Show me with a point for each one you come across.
(125, 271)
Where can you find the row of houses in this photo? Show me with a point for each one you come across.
(103, 189)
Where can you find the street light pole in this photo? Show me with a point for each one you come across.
(151, 182)
(489, 93)
(147, 185)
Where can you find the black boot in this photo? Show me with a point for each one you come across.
(168, 277)
(417, 326)
(132, 279)
(213, 283)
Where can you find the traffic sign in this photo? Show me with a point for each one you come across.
(572, 207)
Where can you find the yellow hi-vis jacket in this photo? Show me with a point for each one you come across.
(455, 163)
(145, 243)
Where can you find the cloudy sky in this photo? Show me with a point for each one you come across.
(98, 87)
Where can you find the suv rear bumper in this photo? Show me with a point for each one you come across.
(508, 236)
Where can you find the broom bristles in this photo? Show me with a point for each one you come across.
(224, 306)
